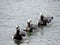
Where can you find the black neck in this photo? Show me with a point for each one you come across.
(42, 17)
(28, 24)
(17, 32)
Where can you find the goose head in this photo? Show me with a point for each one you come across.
(17, 27)
(17, 30)
(29, 22)
(41, 16)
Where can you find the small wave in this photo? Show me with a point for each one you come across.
(7, 18)
(6, 26)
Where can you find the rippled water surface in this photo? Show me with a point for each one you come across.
(16, 12)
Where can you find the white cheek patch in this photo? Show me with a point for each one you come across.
(29, 20)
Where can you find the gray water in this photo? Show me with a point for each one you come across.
(16, 12)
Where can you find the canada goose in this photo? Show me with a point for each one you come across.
(44, 20)
(18, 35)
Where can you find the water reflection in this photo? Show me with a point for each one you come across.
(29, 33)
(17, 42)
(42, 28)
